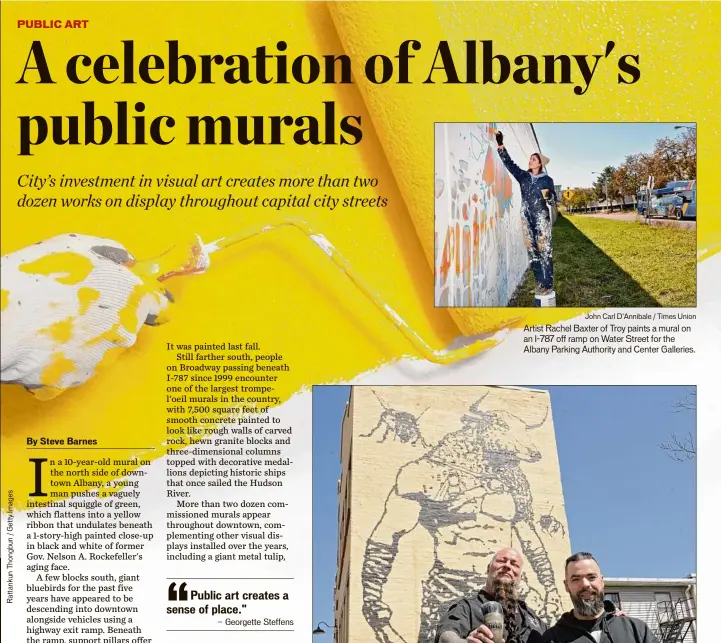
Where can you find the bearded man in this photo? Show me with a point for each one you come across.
(463, 622)
(591, 618)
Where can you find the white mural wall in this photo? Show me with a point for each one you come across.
(480, 252)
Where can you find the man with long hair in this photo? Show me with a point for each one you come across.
(463, 622)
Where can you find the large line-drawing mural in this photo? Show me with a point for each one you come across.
(480, 254)
(403, 425)
(469, 493)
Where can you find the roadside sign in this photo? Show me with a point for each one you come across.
(568, 195)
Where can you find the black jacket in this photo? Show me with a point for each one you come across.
(615, 629)
(465, 615)
(533, 204)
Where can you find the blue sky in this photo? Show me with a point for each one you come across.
(577, 149)
(626, 500)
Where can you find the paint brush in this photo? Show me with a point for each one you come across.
(194, 258)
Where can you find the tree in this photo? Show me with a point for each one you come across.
(666, 165)
(682, 448)
(686, 150)
(599, 185)
(585, 197)
(604, 185)
(687, 403)
(672, 159)
(580, 199)
(643, 166)
(624, 183)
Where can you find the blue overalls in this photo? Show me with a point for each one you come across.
(536, 219)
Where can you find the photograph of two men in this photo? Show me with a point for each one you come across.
(504, 514)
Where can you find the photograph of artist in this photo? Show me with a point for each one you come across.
(590, 619)
(537, 198)
(463, 622)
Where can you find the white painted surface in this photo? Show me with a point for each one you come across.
(492, 268)
(642, 602)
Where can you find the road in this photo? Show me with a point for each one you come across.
(688, 224)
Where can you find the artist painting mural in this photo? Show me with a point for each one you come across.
(537, 200)
(468, 493)
(480, 251)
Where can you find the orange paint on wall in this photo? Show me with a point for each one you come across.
(446, 258)
(489, 169)
(467, 259)
(476, 229)
(457, 248)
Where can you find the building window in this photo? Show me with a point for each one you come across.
(614, 597)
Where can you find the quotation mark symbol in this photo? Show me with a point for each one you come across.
(180, 594)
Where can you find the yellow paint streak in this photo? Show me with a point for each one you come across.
(128, 314)
(87, 297)
(163, 316)
(60, 331)
(46, 393)
(67, 268)
(710, 253)
(4, 299)
(281, 291)
(181, 258)
(109, 358)
(54, 371)
(112, 335)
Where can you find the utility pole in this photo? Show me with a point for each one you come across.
(606, 188)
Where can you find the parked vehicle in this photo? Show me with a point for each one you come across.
(676, 201)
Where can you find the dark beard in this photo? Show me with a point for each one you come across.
(588, 606)
(507, 595)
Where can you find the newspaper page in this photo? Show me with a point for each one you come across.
(359, 321)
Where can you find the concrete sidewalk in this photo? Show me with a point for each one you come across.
(687, 224)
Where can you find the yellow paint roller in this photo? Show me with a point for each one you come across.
(194, 258)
